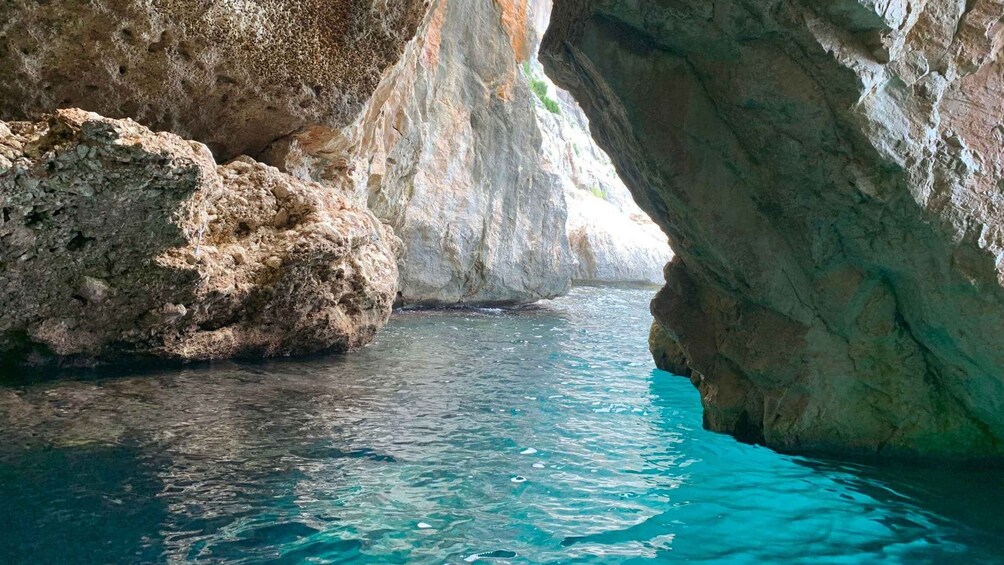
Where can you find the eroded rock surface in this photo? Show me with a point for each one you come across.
(448, 152)
(830, 178)
(117, 242)
(235, 75)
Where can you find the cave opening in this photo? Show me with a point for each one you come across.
(415, 324)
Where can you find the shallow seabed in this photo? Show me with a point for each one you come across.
(534, 436)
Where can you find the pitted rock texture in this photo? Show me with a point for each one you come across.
(234, 75)
(830, 179)
(117, 243)
(448, 152)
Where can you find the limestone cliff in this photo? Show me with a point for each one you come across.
(118, 243)
(612, 240)
(448, 152)
(453, 164)
(830, 177)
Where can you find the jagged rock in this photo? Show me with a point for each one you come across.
(233, 75)
(117, 242)
(830, 178)
(666, 351)
(448, 152)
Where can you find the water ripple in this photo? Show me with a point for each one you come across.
(531, 436)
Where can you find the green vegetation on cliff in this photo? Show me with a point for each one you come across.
(539, 87)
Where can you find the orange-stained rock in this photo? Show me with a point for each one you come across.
(515, 20)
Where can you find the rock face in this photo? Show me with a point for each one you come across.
(612, 245)
(234, 75)
(611, 239)
(448, 152)
(666, 352)
(831, 180)
(117, 242)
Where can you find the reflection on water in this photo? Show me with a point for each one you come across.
(532, 436)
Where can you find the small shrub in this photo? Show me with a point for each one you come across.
(539, 88)
(598, 192)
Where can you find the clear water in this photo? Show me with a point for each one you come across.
(539, 436)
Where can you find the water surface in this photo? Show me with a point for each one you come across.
(535, 436)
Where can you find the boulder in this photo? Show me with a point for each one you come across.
(119, 243)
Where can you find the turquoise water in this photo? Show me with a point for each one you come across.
(537, 436)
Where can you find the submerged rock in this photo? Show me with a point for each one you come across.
(118, 242)
(830, 179)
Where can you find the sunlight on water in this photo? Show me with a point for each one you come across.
(537, 436)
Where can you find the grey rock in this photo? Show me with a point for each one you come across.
(829, 176)
(93, 290)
